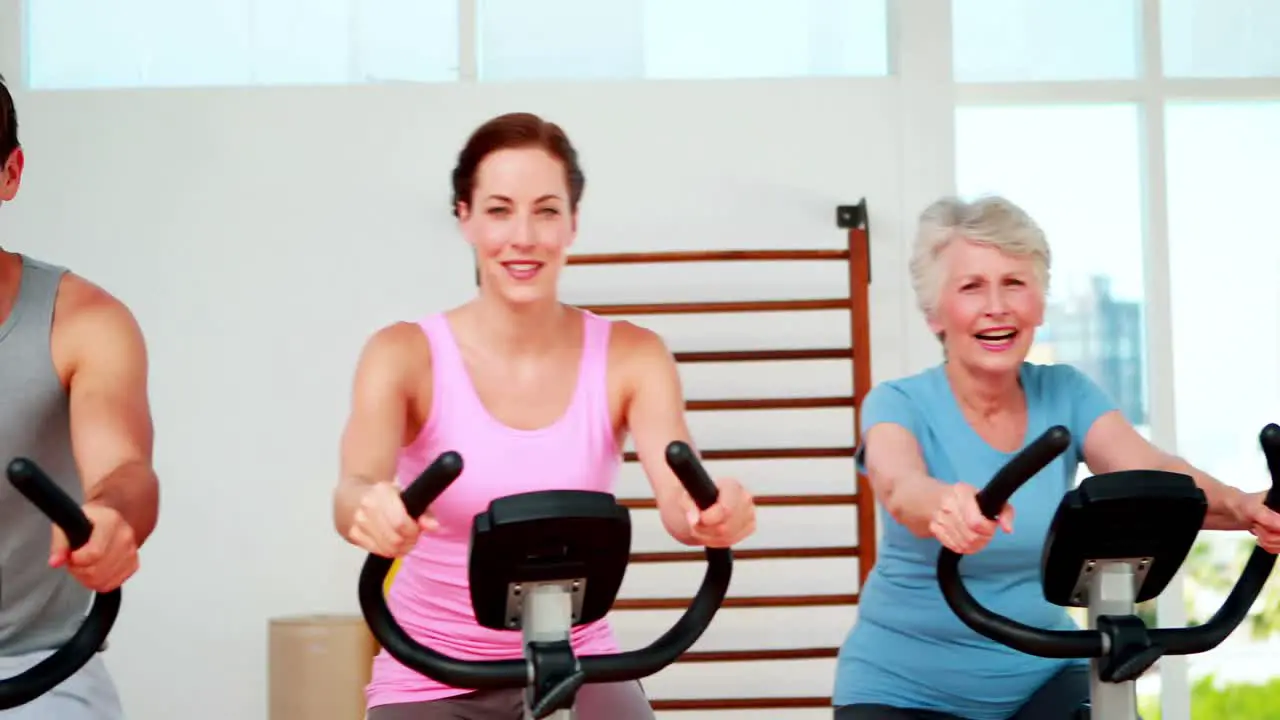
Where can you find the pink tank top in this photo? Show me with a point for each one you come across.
(430, 596)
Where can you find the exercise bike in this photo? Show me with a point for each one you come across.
(1116, 540)
(542, 563)
(41, 491)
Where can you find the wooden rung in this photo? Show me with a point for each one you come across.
(796, 403)
(748, 554)
(761, 501)
(753, 655)
(743, 703)
(726, 356)
(675, 256)
(755, 601)
(733, 306)
(766, 454)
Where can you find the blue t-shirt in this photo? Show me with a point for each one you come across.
(908, 649)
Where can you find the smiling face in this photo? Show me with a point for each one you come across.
(521, 223)
(988, 307)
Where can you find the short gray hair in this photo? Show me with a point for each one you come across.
(990, 220)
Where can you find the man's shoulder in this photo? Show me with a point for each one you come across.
(82, 301)
(93, 326)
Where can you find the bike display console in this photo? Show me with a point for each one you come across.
(542, 563)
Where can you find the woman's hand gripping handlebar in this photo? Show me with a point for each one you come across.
(991, 500)
(514, 673)
(1202, 638)
(41, 491)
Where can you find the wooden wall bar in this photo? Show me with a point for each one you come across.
(859, 499)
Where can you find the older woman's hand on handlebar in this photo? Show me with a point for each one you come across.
(959, 523)
(382, 525)
(1254, 515)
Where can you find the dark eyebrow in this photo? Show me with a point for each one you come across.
(504, 198)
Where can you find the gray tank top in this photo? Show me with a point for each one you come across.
(40, 607)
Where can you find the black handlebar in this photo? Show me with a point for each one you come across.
(515, 673)
(1024, 466)
(431, 483)
(1205, 637)
(1269, 439)
(685, 464)
(991, 500)
(41, 491)
(1093, 643)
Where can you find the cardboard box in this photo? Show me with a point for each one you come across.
(318, 667)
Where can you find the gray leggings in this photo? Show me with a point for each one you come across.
(605, 701)
(90, 694)
(1058, 699)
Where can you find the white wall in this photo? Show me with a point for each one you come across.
(260, 236)
(11, 45)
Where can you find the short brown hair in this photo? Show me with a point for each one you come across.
(8, 123)
(515, 130)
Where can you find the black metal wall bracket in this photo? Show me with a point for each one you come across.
(854, 217)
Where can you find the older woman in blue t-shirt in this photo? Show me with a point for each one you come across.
(980, 272)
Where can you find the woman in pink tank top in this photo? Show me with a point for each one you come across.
(535, 395)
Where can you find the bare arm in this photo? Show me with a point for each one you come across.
(111, 427)
(1113, 445)
(655, 417)
(899, 477)
(377, 421)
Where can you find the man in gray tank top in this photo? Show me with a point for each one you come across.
(73, 398)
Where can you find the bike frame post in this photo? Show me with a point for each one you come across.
(547, 617)
(1111, 592)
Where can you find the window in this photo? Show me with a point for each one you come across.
(1226, 341)
(1046, 40)
(677, 39)
(159, 43)
(1076, 170)
(1220, 38)
(559, 39)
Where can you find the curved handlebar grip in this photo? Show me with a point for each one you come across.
(514, 673)
(84, 645)
(991, 499)
(1234, 610)
(1006, 631)
(45, 494)
(1024, 466)
(437, 478)
(487, 674)
(1269, 438)
(685, 464)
